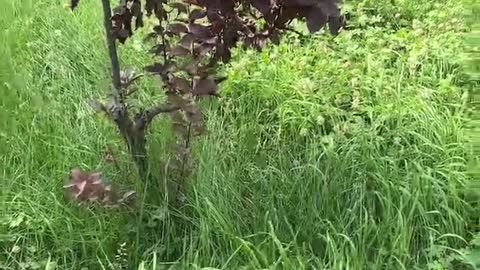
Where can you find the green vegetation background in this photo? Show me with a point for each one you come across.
(354, 152)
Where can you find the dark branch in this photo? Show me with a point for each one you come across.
(160, 109)
(293, 30)
(132, 80)
(143, 119)
(112, 49)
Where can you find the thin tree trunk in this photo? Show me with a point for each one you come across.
(112, 48)
(132, 128)
(134, 137)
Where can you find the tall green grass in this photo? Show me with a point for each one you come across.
(324, 153)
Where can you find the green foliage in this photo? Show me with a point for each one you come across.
(325, 153)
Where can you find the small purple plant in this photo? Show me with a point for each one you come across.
(88, 187)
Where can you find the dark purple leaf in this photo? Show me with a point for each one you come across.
(220, 80)
(335, 24)
(329, 8)
(195, 68)
(203, 49)
(260, 42)
(187, 40)
(211, 41)
(274, 36)
(139, 21)
(179, 6)
(213, 16)
(264, 6)
(197, 14)
(315, 19)
(179, 51)
(158, 49)
(74, 4)
(136, 9)
(122, 35)
(289, 3)
(177, 28)
(287, 14)
(154, 6)
(158, 29)
(223, 52)
(199, 30)
(150, 36)
(119, 13)
(159, 68)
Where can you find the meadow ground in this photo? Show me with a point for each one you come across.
(323, 153)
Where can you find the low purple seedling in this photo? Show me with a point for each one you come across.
(88, 187)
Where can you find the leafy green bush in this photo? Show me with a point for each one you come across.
(360, 76)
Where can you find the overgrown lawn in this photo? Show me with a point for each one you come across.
(323, 153)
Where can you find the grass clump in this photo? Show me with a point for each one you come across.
(324, 153)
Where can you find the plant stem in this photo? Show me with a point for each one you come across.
(133, 135)
(112, 48)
